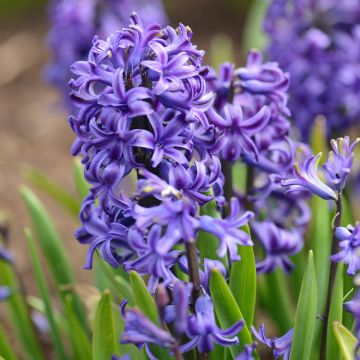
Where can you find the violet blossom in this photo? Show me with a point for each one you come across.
(349, 244)
(278, 244)
(306, 177)
(74, 23)
(317, 42)
(339, 163)
(203, 331)
(281, 346)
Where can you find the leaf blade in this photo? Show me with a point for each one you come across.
(335, 314)
(43, 289)
(305, 316)
(243, 281)
(227, 310)
(346, 340)
(142, 297)
(104, 337)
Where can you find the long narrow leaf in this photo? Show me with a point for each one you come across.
(142, 297)
(41, 282)
(49, 238)
(320, 242)
(335, 314)
(305, 317)
(20, 315)
(227, 310)
(51, 245)
(62, 197)
(243, 282)
(104, 338)
(346, 340)
(81, 344)
(275, 295)
(6, 350)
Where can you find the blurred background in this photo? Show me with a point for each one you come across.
(34, 128)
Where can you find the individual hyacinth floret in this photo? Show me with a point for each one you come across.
(308, 176)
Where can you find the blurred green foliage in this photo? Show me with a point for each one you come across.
(13, 8)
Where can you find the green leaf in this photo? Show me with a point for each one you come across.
(254, 36)
(318, 141)
(335, 314)
(51, 245)
(320, 242)
(275, 295)
(243, 281)
(104, 337)
(41, 283)
(82, 185)
(142, 297)
(62, 197)
(305, 317)
(221, 49)
(81, 344)
(19, 313)
(5, 348)
(347, 218)
(49, 238)
(124, 289)
(227, 310)
(346, 340)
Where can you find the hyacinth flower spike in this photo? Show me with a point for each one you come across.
(306, 177)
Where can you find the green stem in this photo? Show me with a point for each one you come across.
(333, 267)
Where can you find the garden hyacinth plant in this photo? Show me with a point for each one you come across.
(212, 230)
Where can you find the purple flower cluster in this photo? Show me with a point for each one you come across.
(317, 42)
(250, 114)
(142, 117)
(74, 23)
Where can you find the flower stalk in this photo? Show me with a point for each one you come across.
(332, 273)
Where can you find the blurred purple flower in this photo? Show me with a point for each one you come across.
(178, 311)
(339, 163)
(278, 244)
(281, 346)
(317, 42)
(235, 137)
(349, 245)
(74, 23)
(5, 292)
(140, 331)
(5, 255)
